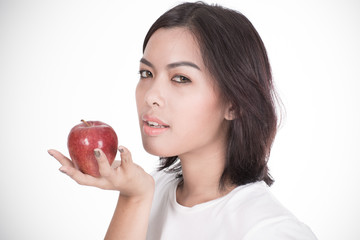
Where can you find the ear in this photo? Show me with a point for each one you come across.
(230, 112)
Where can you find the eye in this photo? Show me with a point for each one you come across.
(180, 79)
(145, 74)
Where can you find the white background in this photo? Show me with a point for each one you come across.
(61, 61)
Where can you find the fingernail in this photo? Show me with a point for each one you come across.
(62, 170)
(121, 150)
(97, 153)
(50, 153)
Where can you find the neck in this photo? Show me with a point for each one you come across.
(201, 178)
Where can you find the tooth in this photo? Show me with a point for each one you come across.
(153, 123)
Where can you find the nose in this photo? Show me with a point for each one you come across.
(154, 96)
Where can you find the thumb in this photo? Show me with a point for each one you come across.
(103, 163)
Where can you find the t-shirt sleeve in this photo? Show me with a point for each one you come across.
(280, 229)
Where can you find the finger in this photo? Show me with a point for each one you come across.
(104, 166)
(78, 176)
(61, 158)
(125, 155)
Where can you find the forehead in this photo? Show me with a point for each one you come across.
(173, 44)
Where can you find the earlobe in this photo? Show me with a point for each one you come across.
(230, 113)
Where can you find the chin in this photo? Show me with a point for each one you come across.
(159, 151)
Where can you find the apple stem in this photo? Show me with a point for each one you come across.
(87, 124)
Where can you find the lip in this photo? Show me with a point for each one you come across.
(152, 130)
(148, 118)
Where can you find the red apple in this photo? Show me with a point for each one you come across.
(84, 138)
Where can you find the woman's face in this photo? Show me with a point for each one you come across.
(179, 108)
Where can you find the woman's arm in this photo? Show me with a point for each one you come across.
(131, 216)
(130, 219)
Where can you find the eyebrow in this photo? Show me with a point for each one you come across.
(146, 62)
(172, 65)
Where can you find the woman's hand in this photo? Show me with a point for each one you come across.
(125, 176)
(131, 216)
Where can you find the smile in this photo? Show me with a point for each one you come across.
(155, 124)
(152, 126)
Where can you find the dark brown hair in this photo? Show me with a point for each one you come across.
(235, 55)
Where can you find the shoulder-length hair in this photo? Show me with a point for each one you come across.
(235, 55)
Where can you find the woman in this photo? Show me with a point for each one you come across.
(206, 106)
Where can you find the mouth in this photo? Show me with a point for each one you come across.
(155, 124)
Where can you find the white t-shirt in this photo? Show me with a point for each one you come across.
(248, 212)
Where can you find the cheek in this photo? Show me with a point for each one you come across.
(198, 114)
(139, 96)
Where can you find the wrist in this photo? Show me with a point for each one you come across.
(146, 197)
(141, 194)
